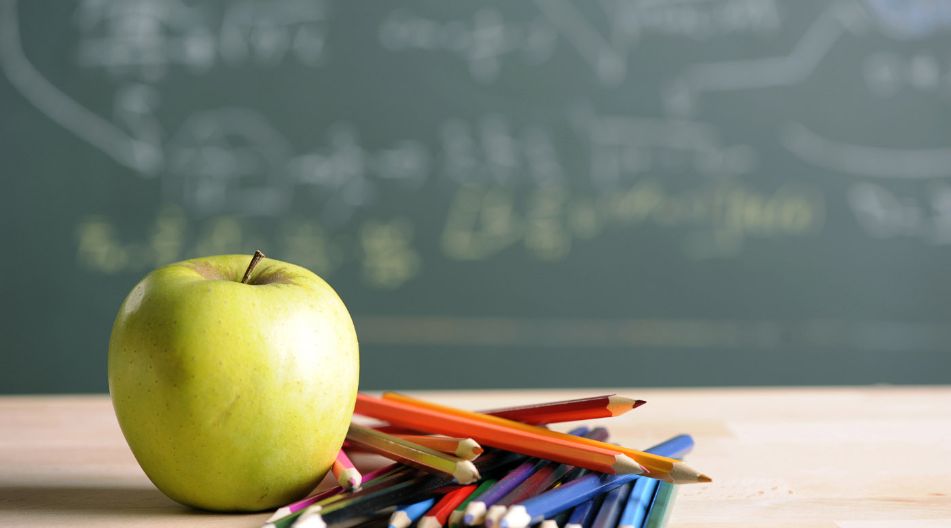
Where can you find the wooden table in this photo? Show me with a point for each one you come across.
(832, 457)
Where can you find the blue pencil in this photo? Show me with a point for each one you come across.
(476, 510)
(583, 514)
(407, 514)
(611, 507)
(638, 503)
(553, 502)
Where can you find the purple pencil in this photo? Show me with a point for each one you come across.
(303, 503)
(475, 510)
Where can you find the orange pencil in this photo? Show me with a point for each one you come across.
(659, 467)
(497, 432)
(437, 516)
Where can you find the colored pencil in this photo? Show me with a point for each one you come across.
(438, 515)
(568, 410)
(661, 505)
(550, 503)
(455, 518)
(463, 471)
(611, 507)
(385, 473)
(560, 520)
(547, 475)
(476, 510)
(638, 503)
(348, 477)
(407, 514)
(310, 518)
(583, 514)
(533, 485)
(497, 432)
(464, 448)
(660, 467)
(367, 501)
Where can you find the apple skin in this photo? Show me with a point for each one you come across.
(232, 396)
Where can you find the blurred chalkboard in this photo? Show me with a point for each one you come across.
(545, 193)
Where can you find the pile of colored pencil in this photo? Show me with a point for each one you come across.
(526, 475)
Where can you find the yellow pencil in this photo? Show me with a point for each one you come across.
(463, 471)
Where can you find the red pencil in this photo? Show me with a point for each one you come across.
(568, 410)
(437, 516)
(554, 412)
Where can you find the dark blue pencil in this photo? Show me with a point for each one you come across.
(553, 502)
(611, 508)
(583, 514)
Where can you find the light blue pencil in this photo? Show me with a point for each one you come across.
(407, 514)
(553, 502)
(638, 503)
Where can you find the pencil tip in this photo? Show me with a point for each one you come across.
(466, 472)
(681, 473)
(625, 465)
(638, 403)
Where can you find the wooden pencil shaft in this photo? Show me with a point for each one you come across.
(659, 466)
(411, 453)
(492, 431)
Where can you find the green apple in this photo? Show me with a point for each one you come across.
(234, 384)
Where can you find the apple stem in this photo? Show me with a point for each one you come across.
(258, 257)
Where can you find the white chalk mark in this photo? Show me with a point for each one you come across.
(867, 161)
(785, 70)
(138, 155)
(609, 65)
(773, 71)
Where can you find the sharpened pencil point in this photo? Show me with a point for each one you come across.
(495, 514)
(281, 512)
(475, 513)
(618, 405)
(625, 465)
(681, 473)
(466, 472)
(638, 403)
(516, 517)
(428, 522)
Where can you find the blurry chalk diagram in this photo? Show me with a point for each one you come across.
(219, 163)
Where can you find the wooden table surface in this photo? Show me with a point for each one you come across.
(788, 457)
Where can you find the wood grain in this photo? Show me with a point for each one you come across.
(787, 457)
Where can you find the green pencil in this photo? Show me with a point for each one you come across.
(662, 504)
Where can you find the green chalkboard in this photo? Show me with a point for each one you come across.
(505, 194)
